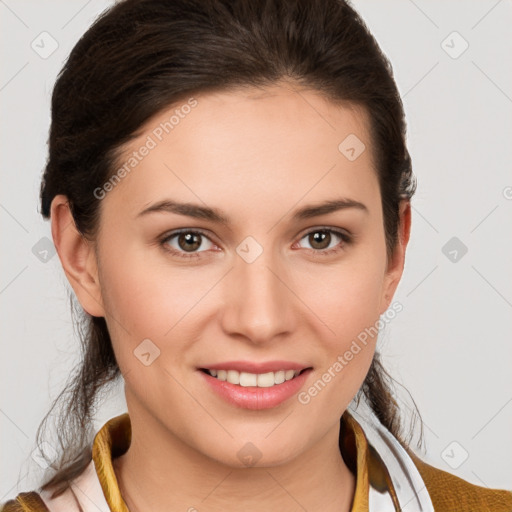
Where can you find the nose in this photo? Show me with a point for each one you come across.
(258, 302)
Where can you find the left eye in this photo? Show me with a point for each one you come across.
(321, 239)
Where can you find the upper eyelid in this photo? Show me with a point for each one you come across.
(325, 228)
(172, 234)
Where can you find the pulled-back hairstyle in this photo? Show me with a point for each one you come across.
(142, 56)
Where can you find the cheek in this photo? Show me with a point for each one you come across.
(346, 298)
(141, 300)
(146, 294)
(349, 307)
(156, 301)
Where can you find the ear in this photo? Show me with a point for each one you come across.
(77, 257)
(396, 263)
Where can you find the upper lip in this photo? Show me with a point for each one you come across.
(253, 367)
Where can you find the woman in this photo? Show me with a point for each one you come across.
(229, 189)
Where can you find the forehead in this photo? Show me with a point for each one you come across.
(278, 142)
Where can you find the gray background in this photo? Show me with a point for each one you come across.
(450, 346)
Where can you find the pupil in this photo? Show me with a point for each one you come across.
(319, 237)
(191, 240)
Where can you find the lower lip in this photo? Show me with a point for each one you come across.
(254, 397)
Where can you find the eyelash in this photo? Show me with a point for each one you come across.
(346, 240)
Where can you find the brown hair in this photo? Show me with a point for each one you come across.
(141, 56)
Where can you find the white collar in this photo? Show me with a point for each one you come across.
(408, 484)
(85, 494)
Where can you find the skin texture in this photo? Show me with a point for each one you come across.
(256, 155)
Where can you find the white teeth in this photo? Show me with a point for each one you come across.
(289, 374)
(247, 379)
(261, 380)
(233, 377)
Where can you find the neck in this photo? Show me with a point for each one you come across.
(159, 472)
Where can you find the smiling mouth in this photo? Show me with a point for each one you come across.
(261, 380)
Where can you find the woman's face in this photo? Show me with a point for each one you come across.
(266, 284)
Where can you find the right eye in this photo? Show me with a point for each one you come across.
(184, 240)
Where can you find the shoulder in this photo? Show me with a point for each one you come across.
(64, 500)
(25, 502)
(35, 501)
(451, 493)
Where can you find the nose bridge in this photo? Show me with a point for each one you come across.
(258, 304)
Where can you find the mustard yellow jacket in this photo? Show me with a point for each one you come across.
(446, 492)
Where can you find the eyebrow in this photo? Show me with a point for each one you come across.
(215, 215)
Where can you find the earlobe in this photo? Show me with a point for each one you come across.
(77, 257)
(396, 264)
